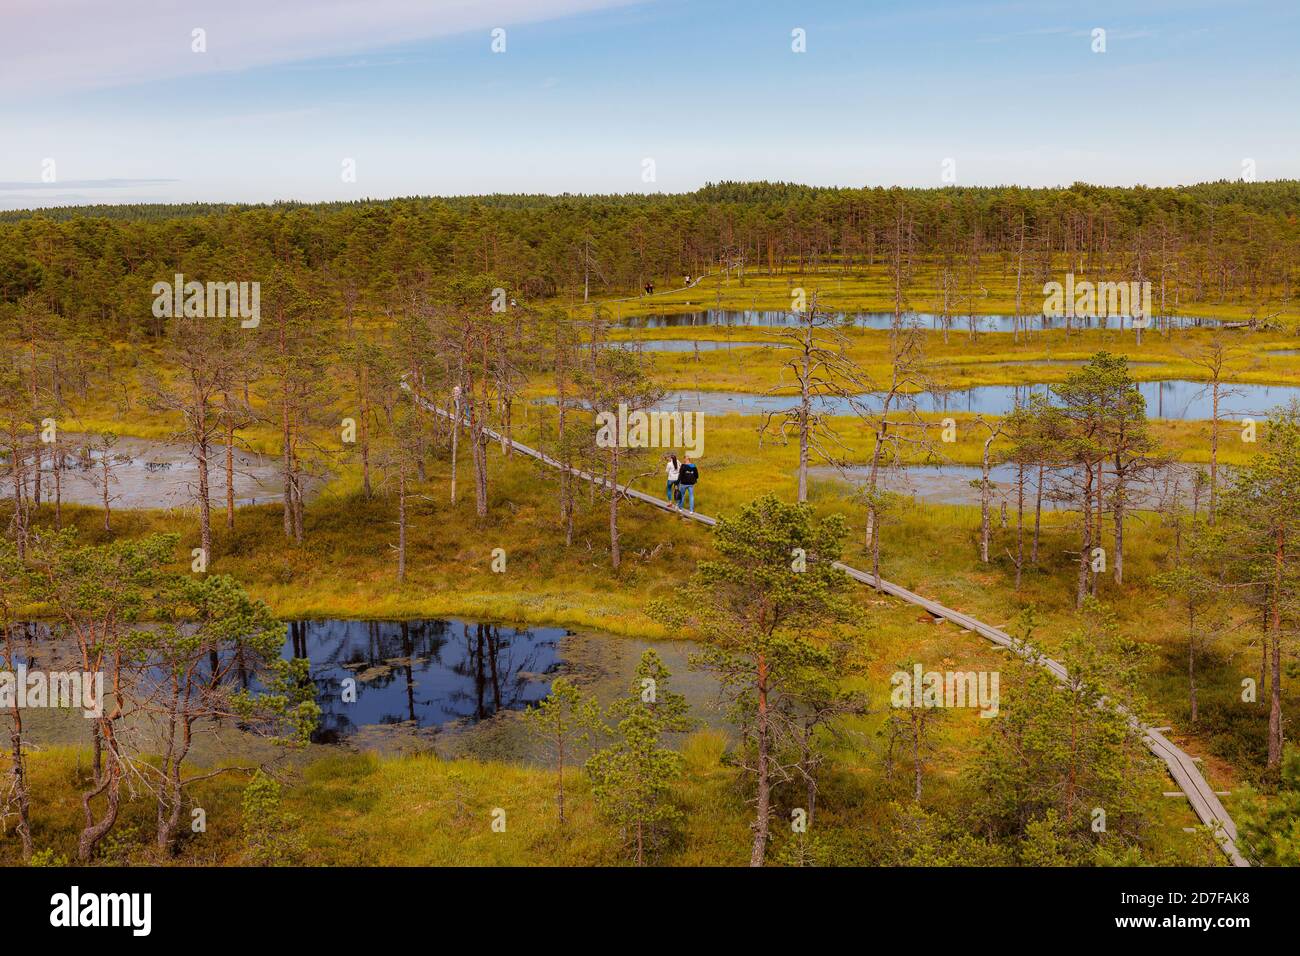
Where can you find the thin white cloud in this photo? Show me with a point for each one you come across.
(60, 45)
(1023, 34)
(274, 118)
(22, 186)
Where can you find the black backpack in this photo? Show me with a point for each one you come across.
(688, 475)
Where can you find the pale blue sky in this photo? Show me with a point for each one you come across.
(587, 90)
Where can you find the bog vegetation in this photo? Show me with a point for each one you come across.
(1156, 558)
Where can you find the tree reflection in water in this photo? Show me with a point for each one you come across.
(430, 673)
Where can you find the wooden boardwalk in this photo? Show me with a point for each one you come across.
(1205, 803)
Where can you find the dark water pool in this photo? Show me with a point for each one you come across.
(885, 320)
(157, 474)
(448, 684)
(430, 673)
(960, 484)
(684, 345)
(1173, 399)
(452, 677)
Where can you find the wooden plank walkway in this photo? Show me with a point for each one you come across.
(1205, 803)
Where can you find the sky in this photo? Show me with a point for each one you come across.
(314, 100)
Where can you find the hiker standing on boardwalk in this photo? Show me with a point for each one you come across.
(687, 476)
(670, 489)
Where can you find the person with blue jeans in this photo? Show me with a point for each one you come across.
(671, 488)
(687, 475)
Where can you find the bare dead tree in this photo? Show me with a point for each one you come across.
(826, 382)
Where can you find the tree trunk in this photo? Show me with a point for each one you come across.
(615, 554)
(169, 809)
(58, 486)
(984, 503)
(20, 504)
(1275, 707)
(1118, 557)
(873, 475)
(286, 467)
(875, 554)
(107, 475)
(1098, 515)
(205, 503)
(401, 524)
(566, 475)
(17, 760)
(18, 776)
(298, 503)
(1038, 513)
(455, 436)
(1085, 544)
(108, 783)
(1214, 451)
(1020, 523)
(478, 451)
(365, 448)
(36, 474)
(763, 811)
(1263, 643)
(805, 416)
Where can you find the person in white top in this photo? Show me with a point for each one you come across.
(671, 487)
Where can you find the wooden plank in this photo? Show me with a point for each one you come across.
(1182, 768)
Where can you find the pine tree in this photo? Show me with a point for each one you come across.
(563, 721)
(1270, 831)
(631, 779)
(762, 606)
(1265, 538)
(1065, 748)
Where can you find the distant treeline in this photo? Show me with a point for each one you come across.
(1224, 241)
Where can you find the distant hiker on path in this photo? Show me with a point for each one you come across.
(687, 476)
(670, 489)
(688, 279)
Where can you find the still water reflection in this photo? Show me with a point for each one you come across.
(431, 673)
(885, 320)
